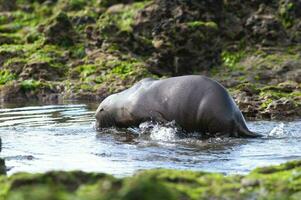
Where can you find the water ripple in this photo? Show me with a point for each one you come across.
(62, 137)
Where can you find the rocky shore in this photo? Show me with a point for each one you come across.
(51, 50)
(275, 182)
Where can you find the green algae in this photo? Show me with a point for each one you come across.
(30, 84)
(198, 24)
(272, 182)
(6, 76)
(285, 11)
(123, 17)
(231, 59)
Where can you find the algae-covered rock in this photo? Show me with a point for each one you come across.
(273, 182)
(184, 35)
(91, 49)
(59, 30)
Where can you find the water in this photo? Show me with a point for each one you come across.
(62, 137)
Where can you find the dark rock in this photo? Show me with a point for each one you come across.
(184, 34)
(12, 92)
(40, 71)
(247, 104)
(16, 92)
(5, 55)
(108, 3)
(266, 30)
(283, 109)
(60, 31)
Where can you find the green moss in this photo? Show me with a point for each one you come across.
(285, 12)
(59, 30)
(86, 70)
(265, 103)
(78, 51)
(6, 76)
(146, 187)
(231, 59)
(273, 182)
(28, 85)
(75, 4)
(3, 19)
(123, 18)
(275, 92)
(197, 24)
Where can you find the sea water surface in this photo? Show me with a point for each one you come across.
(39, 138)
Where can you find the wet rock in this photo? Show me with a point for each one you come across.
(266, 30)
(282, 109)
(28, 90)
(5, 55)
(247, 104)
(83, 96)
(12, 92)
(59, 30)
(40, 71)
(184, 35)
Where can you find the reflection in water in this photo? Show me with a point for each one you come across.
(62, 137)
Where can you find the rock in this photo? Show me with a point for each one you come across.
(184, 36)
(5, 55)
(59, 30)
(269, 182)
(12, 92)
(40, 71)
(28, 90)
(266, 30)
(289, 86)
(247, 104)
(282, 109)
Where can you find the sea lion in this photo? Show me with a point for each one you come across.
(195, 103)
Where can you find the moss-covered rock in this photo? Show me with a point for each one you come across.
(274, 182)
(90, 49)
(59, 30)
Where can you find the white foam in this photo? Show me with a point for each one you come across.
(160, 132)
(278, 131)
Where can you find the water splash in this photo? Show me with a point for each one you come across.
(278, 131)
(158, 132)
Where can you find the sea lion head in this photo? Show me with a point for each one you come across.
(105, 113)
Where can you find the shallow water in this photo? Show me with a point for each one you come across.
(62, 137)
